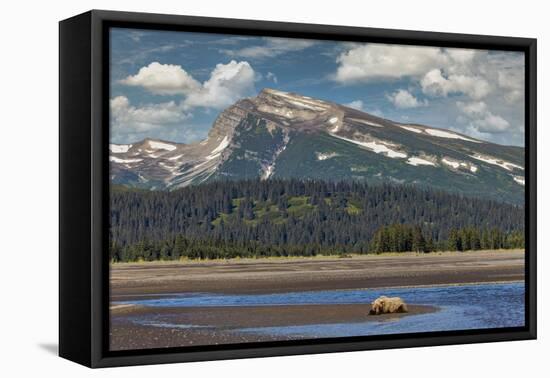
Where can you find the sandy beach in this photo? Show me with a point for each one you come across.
(295, 274)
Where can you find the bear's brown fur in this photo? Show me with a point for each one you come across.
(385, 305)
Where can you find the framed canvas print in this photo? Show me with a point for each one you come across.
(234, 188)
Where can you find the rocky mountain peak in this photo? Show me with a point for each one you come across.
(273, 97)
(280, 134)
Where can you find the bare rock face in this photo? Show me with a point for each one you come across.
(385, 305)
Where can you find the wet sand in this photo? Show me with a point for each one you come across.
(221, 325)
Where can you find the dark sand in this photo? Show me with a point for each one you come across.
(219, 325)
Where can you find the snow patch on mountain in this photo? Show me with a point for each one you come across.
(413, 129)
(268, 171)
(119, 148)
(452, 163)
(446, 134)
(169, 167)
(298, 100)
(376, 147)
(457, 164)
(325, 156)
(222, 146)
(498, 162)
(161, 145)
(213, 156)
(365, 122)
(375, 124)
(307, 106)
(269, 168)
(416, 161)
(114, 159)
(520, 180)
(334, 121)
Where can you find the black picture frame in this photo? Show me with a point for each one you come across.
(84, 189)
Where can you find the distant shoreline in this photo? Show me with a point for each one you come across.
(277, 259)
(276, 275)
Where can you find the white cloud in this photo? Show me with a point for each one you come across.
(167, 121)
(126, 117)
(489, 84)
(227, 84)
(462, 56)
(356, 104)
(375, 112)
(439, 71)
(472, 109)
(164, 79)
(512, 81)
(491, 123)
(136, 35)
(481, 119)
(403, 99)
(230, 40)
(271, 76)
(271, 48)
(434, 83)
(361, 106)
(372, 62)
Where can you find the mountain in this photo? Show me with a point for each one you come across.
(285, 135)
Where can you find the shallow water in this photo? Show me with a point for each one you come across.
(461, 307)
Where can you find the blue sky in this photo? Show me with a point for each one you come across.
(172, 85)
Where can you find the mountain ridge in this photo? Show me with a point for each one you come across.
(285, 135)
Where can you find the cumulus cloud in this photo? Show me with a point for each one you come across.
(489, 85)
(371, 62)
(127, 119)
(164, 79)
(472, 109)
(461, 56)
(130, 123)
(356, 104)
(434, 83)
(513, 82)
(361, 106)
(227, 83)
(481, 119)
(271, 48)
(491, 123)
(439, 71)
(403, 99)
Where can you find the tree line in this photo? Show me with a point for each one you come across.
(393, 238)
(251, 218)
(407, 238)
